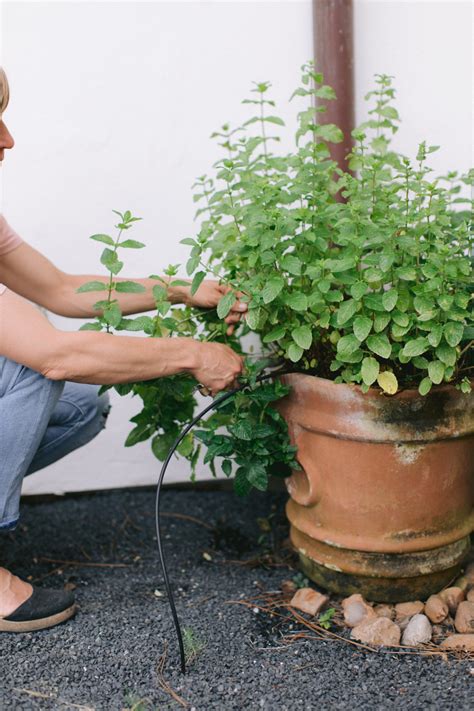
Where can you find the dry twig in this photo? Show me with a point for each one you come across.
(275, 604)
(40, 695)
(163, 684)
(186, 517)
(84, 563)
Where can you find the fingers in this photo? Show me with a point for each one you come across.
(219, 367)
(231, 380)
(238, 310)
(239, 306)
(231, 319)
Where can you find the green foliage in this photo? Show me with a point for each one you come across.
(374, 289)
(135, 703)
(247, 432)
(325, 618)
(193, 646)
(110, 315)
(255, 442)
(300, 580)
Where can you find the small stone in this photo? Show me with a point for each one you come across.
(357, 610)
(436, 609)
(404, 611)
(308, 600)
(452, 597)
(408, 609)
(387, 611)
(470, 595)
(418, 631)
(459, 641)
(464, 620)
(288, 586)
(380, 631)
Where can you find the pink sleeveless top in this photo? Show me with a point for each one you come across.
(8, 241)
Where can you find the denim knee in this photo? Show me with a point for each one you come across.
(17, 379)
(81, 404)
(27, 400)
(80, 415)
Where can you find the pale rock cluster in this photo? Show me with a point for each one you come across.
(406, 623)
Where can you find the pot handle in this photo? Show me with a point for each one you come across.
(302, 488)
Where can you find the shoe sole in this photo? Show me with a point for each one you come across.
(41, 624)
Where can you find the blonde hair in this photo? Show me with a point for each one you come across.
(4, 91)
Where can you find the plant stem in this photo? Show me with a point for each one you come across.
(110, 285)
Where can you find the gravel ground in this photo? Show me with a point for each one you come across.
(107, 657)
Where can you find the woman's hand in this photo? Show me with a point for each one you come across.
(218, 367)
(208, 296)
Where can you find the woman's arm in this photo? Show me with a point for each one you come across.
(27, 337)
(29, 273)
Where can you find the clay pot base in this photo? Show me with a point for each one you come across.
(403, 584)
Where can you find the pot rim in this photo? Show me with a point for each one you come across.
(342, 410)
(407, 392)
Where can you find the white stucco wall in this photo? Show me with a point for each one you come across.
(112, 107)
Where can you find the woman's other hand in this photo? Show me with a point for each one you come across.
(208, 296)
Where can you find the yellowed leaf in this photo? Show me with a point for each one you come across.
(388, 382)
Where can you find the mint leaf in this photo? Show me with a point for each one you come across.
(302, 337)
(275, 334)
(291, 264)
(271, 289)
(370, 370)
(225, 304)
(106, 239)
(294, 352)
(453, 332)
(425, 386)
(347, 345)
(389, 299)
(362, 327)
(380, 345)
(415, 347)
(436, 371)
(297, 301)
(346, 311)
(92, 286)
(129, 287)
(131, 244)
(197, 281)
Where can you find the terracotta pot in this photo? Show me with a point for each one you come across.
(385, 502)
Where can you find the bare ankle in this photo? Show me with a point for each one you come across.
(13, 592)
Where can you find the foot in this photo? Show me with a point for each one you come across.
(13, 592)
(25, 608)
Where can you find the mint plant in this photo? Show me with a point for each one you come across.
(110, 313)
(374, 289)
(247, 431)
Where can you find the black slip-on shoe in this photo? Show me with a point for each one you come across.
(44, 608)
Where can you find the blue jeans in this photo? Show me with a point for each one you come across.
(41, 420)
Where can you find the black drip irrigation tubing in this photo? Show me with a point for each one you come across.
(215, 404)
